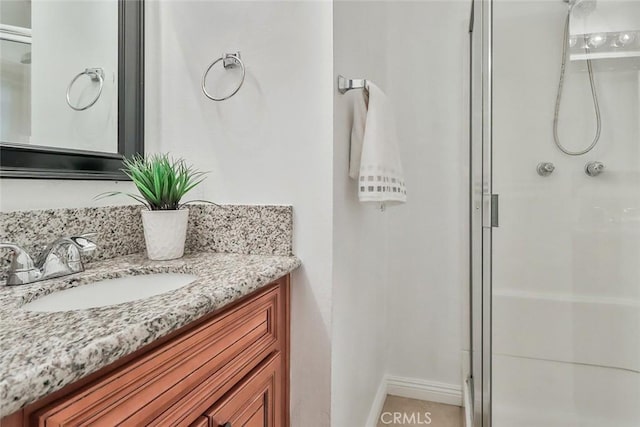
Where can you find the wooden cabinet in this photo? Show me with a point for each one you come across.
(253, 402)
(200, 422)
(229, 367)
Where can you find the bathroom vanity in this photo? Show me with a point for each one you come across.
(229, 368)
(213, 351)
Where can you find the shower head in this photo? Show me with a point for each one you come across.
(581, 7)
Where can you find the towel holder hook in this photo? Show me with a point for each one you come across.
(345, 85)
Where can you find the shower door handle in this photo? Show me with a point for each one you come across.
(494, 210)
(490, 217)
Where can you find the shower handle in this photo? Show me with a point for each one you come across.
(545, 168)
(593, 168)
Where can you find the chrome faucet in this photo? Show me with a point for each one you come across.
(60, 258)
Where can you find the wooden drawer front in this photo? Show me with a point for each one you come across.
(200, 422)
(138, 392)
(255, 402)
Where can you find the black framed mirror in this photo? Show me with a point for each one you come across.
(20, 160)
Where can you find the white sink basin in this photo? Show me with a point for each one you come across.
(110, 292)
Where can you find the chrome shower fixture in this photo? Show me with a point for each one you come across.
(597, 41)
(545, 168)
(25, 59)
(594, 168)
(581, 7)
(624, 39)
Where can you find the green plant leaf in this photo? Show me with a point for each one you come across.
(139, 199)
(161, 180)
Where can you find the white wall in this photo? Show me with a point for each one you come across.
(27, 194)
(378, 292)
(271, 143)
(427, 81)
(16, 12)
(68, 37)
(401, 277)
(359, 356)
(15, 93)
(15, 76)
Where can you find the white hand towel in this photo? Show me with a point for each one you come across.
(375, 159)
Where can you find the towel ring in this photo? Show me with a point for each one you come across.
(229, 60)
(95, 74)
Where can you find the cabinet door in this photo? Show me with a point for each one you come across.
(254, 402)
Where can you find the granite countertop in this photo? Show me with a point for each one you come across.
(42, 352)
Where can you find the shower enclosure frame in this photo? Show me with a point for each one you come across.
(483, 215)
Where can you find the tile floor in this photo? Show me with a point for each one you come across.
(401, 411)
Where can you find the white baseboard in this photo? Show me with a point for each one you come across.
(424, 390)
(378, 403)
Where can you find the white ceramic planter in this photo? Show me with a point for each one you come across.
(165, 233)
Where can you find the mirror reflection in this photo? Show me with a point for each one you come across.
(59, 74)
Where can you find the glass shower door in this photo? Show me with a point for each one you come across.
(565, 269)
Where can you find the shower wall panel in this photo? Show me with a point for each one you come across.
(566, 257)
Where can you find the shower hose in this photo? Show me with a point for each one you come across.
(594, 94)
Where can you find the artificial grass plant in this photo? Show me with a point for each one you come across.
(161, 180)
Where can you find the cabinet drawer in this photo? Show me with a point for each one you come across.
(212, 354)
(255, 402)
(200, 422)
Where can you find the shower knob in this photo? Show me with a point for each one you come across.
(594, 168)
(545, 168)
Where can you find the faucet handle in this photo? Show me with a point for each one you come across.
(85, 242)
(21, 259)
(22, 269)
(74, 245)
(594, 168)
